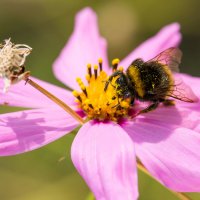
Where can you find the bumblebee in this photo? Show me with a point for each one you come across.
(151, 81)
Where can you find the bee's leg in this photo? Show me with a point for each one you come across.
(107, 84)
(151, 107)
(117, 105)
(109, 81)
(132, 101)
(168, 102)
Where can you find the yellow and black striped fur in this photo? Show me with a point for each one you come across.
(150, 81)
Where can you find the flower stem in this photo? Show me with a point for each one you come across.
(55, 100)
(180, 195)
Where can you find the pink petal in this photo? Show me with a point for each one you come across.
(104, 156)
(24, 95)
(170, 153)
(190, 115)
(183, 90)
(27, 130)
(178, 115)
(167, 37)
(84, 46)
(193, 82)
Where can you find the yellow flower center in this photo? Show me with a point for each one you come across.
(95, 101)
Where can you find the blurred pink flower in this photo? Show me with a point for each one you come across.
(167, 140)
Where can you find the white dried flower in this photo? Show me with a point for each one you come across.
(12, 59)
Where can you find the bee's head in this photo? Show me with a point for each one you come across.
(129, 95)
(137, 62)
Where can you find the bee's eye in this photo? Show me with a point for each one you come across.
(119, 80)
(127, 95)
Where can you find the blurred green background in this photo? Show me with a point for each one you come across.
(45, 25)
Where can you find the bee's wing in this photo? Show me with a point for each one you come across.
(182, 91)
(170, 57)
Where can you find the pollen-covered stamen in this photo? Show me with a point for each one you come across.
(115, 63)
(95, 71)
(89, 70)
(100, 63)
(121, 69)
(90, 105)
(87, 77)
(76, 94)
(83, 88)
(79, 81)
(98, 103)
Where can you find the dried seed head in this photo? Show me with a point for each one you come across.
(12, 59)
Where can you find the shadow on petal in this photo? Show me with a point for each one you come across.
(154, 123)
(28, 130)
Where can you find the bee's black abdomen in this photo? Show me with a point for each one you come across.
(150, 80)
(156, 81)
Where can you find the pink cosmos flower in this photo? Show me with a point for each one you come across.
(167, 140)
